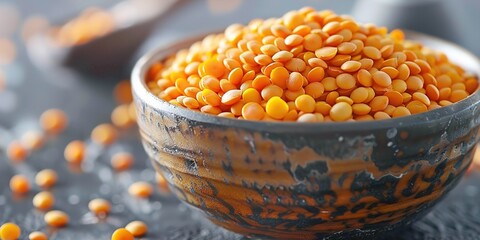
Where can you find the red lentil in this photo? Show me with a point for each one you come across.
(19, 184)
(53, 121)
(10, 231)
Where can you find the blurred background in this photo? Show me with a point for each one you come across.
(70, 54)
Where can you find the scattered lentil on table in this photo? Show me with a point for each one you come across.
(122, 161)
(104, 134)
(122, 234)
(46, 178)
(99, 207)
(10, 231)
(19, 184)
(56, 218)
(141, 189)
(16, 151)
(53, 121)
(309, 66)
(75, 152)
(43, 200)
(137, 228)
(37, 236)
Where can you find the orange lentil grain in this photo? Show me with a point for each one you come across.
(444, 103)
(251, 95)
(316, 74)
(315, 89)
(295, 65)
(37, 236)
(75, 152)
(361, 109)
(46, 178)
(253, 111)
(19, 184)
(270, 91)
(379, 103)
(416, 106)
(471, 85)
(382, 79)
(399, 85)
(282, 56)
(305, 103)
(99, 206)
(444, 93)
(121, 118)
(260, 81)
(351, 66)
(53, 121)
(312, 42)
(225, 85)
(359, 95)
(56, 218)
(276, 108)
(346, 48)
(326, 53)
(295, 81)
(345, 81)
(104, 134)
(400, 112)
(16, 151)
(414, 83)
(381, 116)
(33, 140)
(372, 52)
(123, 92)
(10, 231)
(364, 78)
(323, 108)
(235, 76)
(344, 99)
(231, 97)
(317, 62)
(341, 112)
(279, 77)
(213, 67)
(394, 98)
(137, 228)
(122, 161)
(331, 97)
(140, 189)
(421, 97)
(458, 86)
(43, 200)
(458, 95)
(122, 234)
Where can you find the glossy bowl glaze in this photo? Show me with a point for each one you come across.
(311, 180)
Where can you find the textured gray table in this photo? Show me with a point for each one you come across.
(88, 102)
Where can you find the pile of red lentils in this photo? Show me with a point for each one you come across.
(54, 122)
(309, 66)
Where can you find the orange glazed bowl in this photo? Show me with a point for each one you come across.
(309, 180)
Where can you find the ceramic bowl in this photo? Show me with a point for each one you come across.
(311, 180)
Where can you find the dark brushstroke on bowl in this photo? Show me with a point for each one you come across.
(316, 180)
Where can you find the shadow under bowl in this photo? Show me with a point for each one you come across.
(311, 180)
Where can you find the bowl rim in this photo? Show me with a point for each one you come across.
(142, 93)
